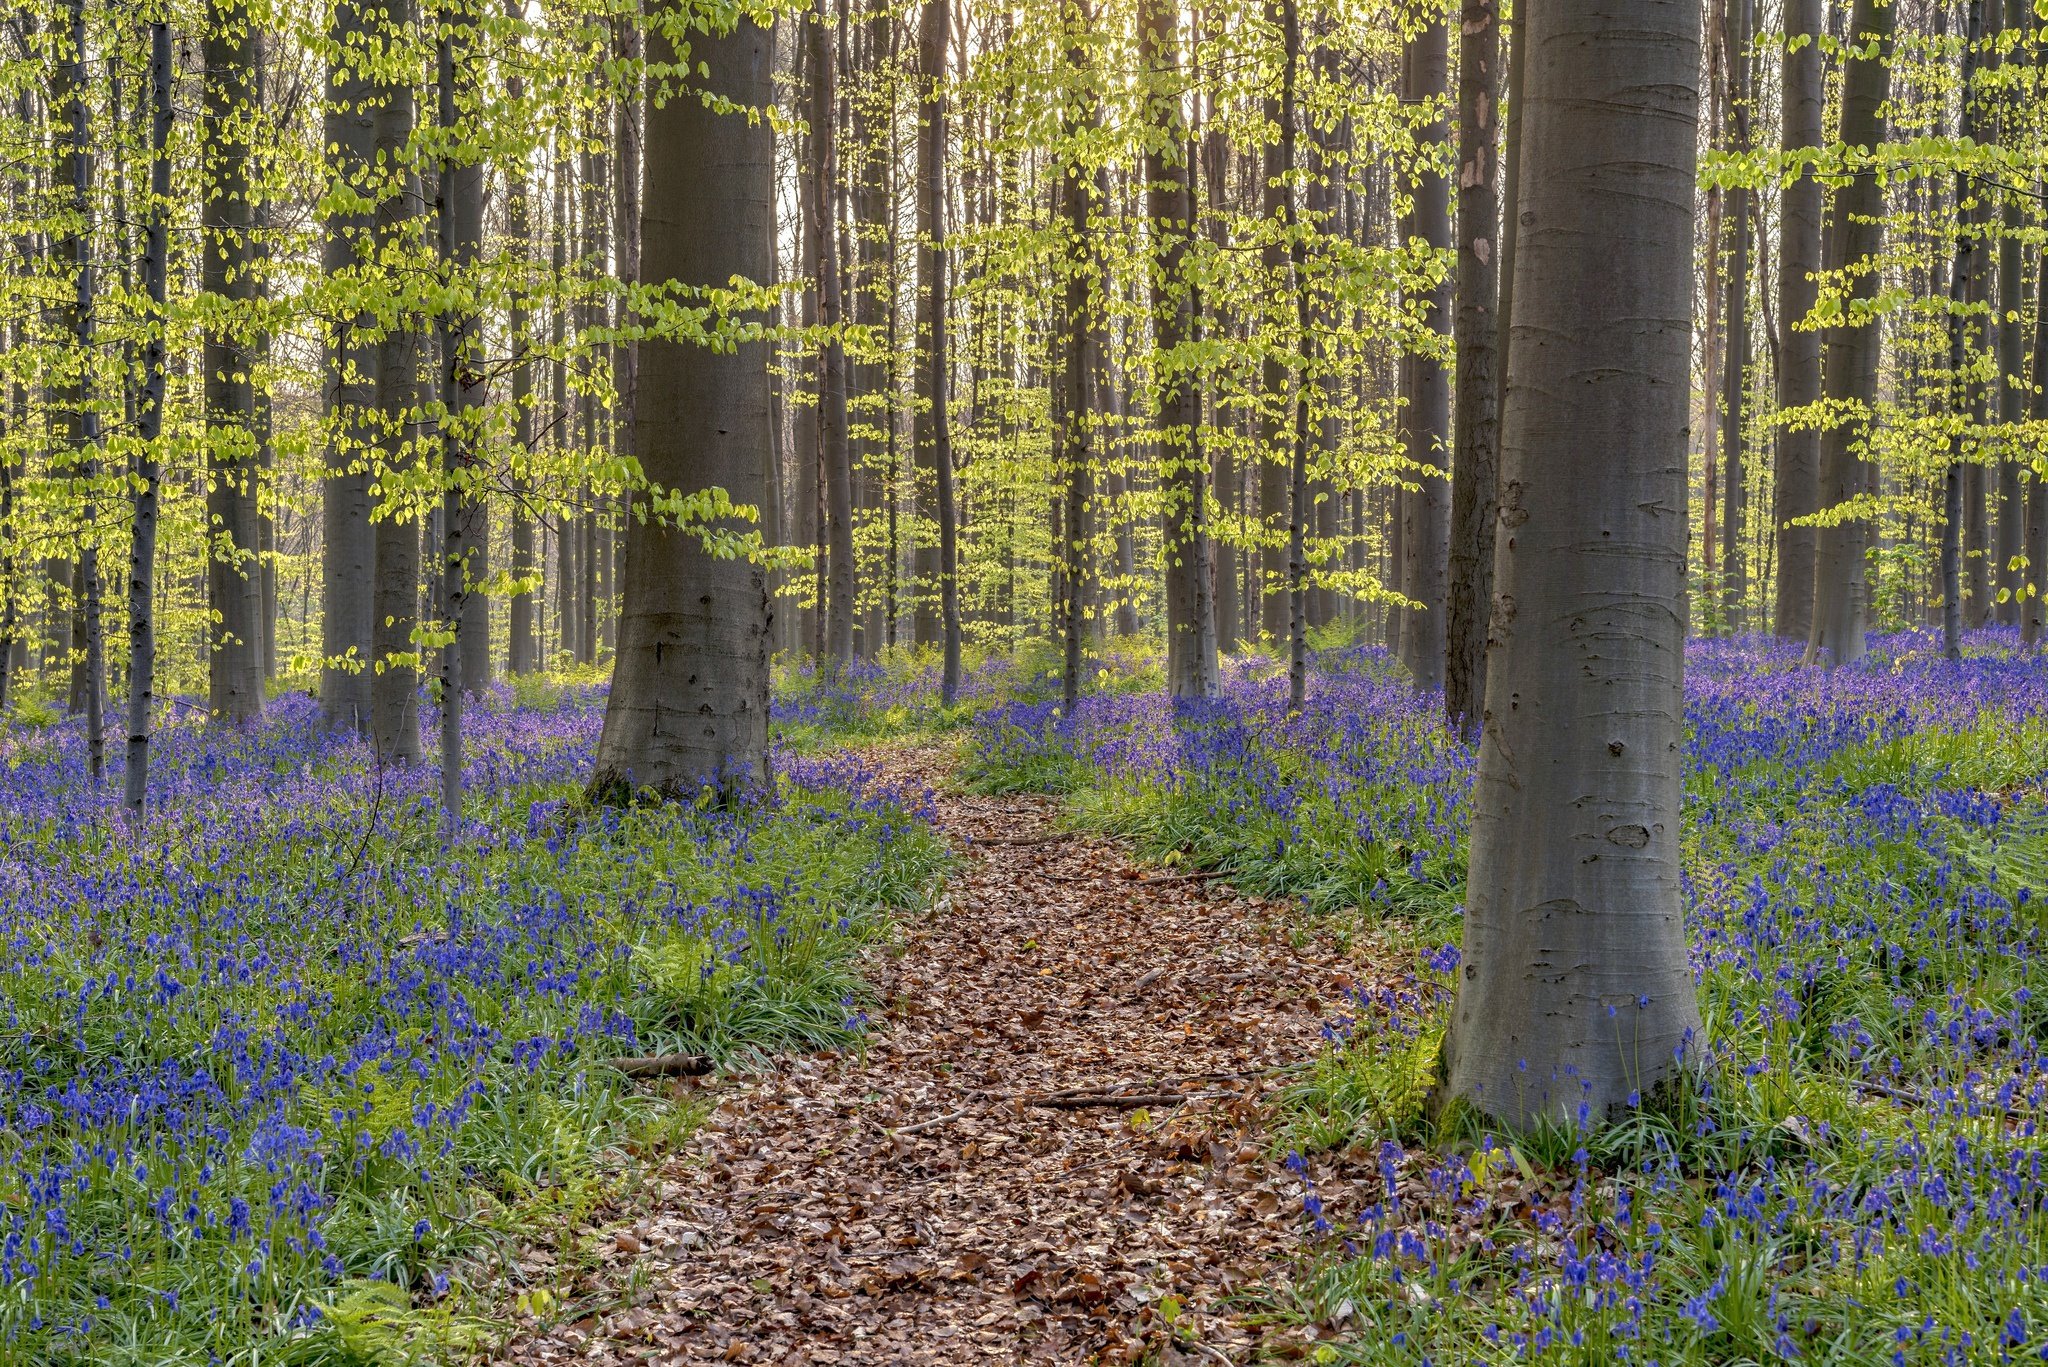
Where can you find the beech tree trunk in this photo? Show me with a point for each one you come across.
(688, 711)
(2008, 564)
(1426, 416)
(79, 418)
(1273, 381)
(931, 432)
(1076, 439)
(1841, 597)
(522, 645)
(461, 192)
(1191, 666)
(2034, 621)
(1475, 436)
(835, 463)
(1964, 286)
(1575, 996)
(1736, 350)
(394, 687)
(234, 575)
(156, 258)
(1304, 343)
(1796, 491)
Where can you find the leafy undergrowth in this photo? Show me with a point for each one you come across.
(1855, 1174)
(282, 1068)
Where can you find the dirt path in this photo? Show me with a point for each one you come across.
(915, 1206)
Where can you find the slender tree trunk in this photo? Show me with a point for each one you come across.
(1071, 542)
(1841, 608)
(522, 647)
(688, 710)
(156, 256)
(234, 576)
(77, 413)
(1575, 996)
(1964, 395)
(1426, 511)
(1304, 333)
(1710, 343)
(932, 434)
(1475, 436)
(1797, 488)
(2008, 565)
(461, 193)
(394, 688)
(1191, 670)
(2036, 619)
(1736, 352)
(1273, 381)
(836, 466)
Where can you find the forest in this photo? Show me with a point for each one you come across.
(1060, 681)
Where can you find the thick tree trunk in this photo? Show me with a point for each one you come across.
(1796, 493)
(1072, 538)
(688, 710)
(1191, 669)
(931, 433)
(394, 688)
(234, 582)
(1841, 607)
(1225, 478)
(156, 258)
(1426, 417)
(1575, 996)
(1475, 436)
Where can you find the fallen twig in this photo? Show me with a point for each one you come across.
(663, 1065)
(1127, 1101)
(924, 1125)
(1018, 842)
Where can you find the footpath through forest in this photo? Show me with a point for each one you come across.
(1055, 1149)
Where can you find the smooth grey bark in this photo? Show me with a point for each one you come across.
(688, 711)
(1076, 439)
(1850, 351)
(2035, 620)
(567, 628)
(1575, 996)
(460, 192)
(347, 556)
(835, 463)
(1191, 666)
(1475, 420)
(394, 685)
(1736, 350)
(149, 426)
(1796, 481)
(522, 645)
(931, 423)
(1273, 510)
(1297, 285)
(226, 275)
(79, 417)
(1225, 477)
(2008, 564)
(1963, 287)
(1426, 412)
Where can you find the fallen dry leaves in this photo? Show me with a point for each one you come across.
(1055, 1147)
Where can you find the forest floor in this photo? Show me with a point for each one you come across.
(1057, 1144)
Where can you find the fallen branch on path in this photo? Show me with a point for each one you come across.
(663, 1065)
(924, 1125)
(1019, 842)
(1123, 1102)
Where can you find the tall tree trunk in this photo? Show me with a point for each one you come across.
(394, 688)
(1273, 381)
(2036, 619)
(836, 466)
(2009, 574)
(1304, 340)
(1796, 492)
(931, 431)
(688, 710)
(1191, 668)
(156, 258)
(1426, 510)
(234, 575)
(1710, 342)
(1841, 607)
(78, 413)
(1965, 395)
(522, 646)
(1736, 352)
(1076, 186)
(461, 193)
(1575, 995)
(1475, 436)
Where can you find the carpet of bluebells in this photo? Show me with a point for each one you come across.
(1855, 1175)
(278, 1067)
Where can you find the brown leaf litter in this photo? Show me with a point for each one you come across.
(1055, 1148)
